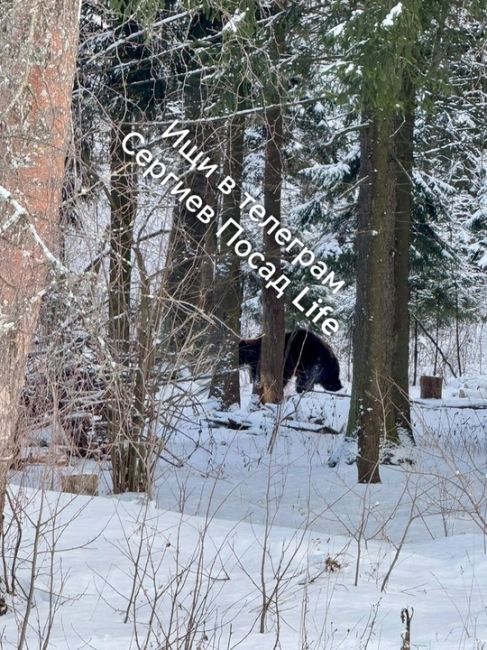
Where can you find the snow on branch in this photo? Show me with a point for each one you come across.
(390, 19)
(21, 213)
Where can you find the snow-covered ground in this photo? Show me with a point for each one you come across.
(237, 538)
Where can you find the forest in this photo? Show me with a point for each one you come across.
(243, 324)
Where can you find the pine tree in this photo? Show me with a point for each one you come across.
(38, 63)
(225, 384)
(380, 400)
(128, 74)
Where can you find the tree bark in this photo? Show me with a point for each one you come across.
(225, 384)
(371, 416)
(188, 269)
(38, 54)
(415, 362)
(189, 279)
(457, 333)
(273, 324)
(123, 198)
(437, 334)
(404, 147)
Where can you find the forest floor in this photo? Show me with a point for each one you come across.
(236, 537)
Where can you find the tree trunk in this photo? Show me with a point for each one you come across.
(415, 362)
(273, 325)
(457, 333)
(371, 416)
(225, 384)
(188, 269)
(38, 54)
(431, 387)
(437, 336)
(188, 263)
(208, 296)
(400, 358)
(123, 198)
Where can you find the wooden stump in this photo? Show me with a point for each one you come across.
(80, 484)
(431, 387)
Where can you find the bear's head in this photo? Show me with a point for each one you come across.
(333, 384)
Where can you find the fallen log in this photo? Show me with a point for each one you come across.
(236, 423)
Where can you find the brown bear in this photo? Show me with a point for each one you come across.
(306, 355)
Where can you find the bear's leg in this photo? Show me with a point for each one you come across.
(257, 373)
(287, 373)
(253, 370)
(307, 377)
(304, 383)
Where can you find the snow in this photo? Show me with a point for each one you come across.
(390, 19)
(338, 30)
(19, 211)
(233, 516)
(234, 21)
(474, 386)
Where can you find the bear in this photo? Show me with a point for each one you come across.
(306, 355)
